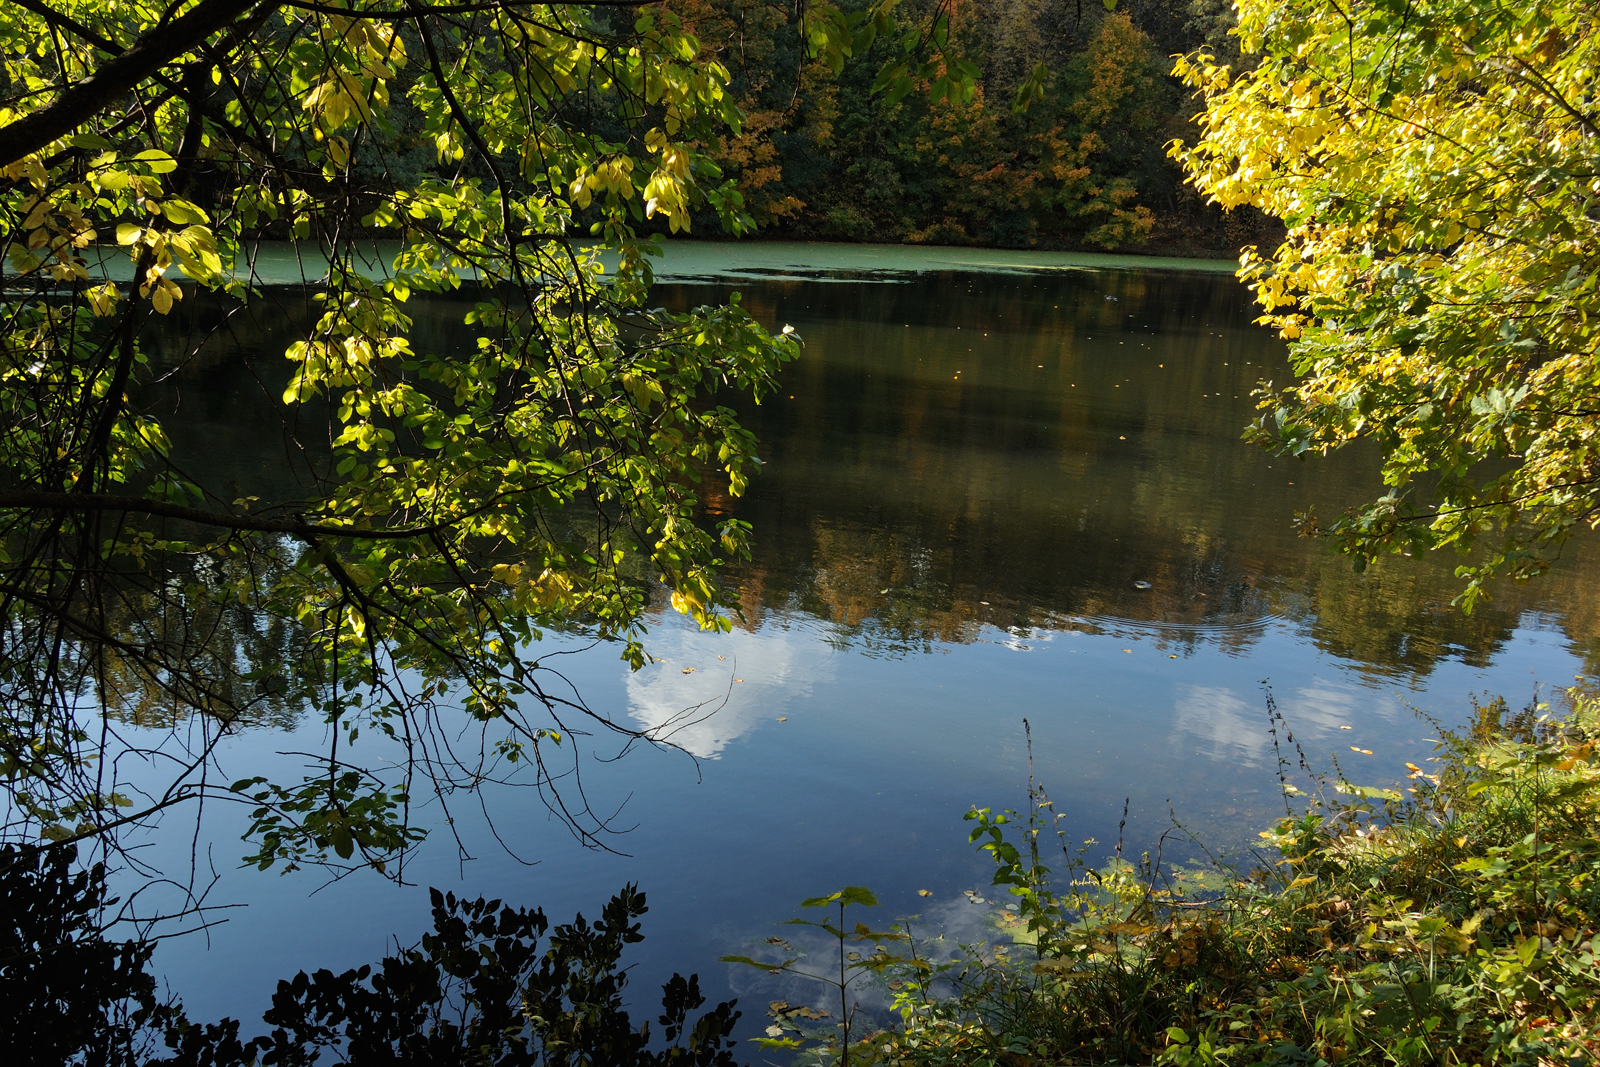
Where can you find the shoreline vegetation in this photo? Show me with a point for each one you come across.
(1454, 922)
(1454, 919)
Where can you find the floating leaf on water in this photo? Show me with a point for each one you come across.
(1347, 727)
(924, 892)
(690, 670)
(1127, 650)
(1363, 751)
(781, 943)
(738, 679)
(1141, 585)
(778, 1005)
(1173, 656)
(881, 591)
(774, 1031)
(722, 657)
(783, 718)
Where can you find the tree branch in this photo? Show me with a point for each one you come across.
(83, 100)
(139, 505)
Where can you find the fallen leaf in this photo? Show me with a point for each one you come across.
(1127, 650)
(1363, 751)
(738, 679)
(1347, 727)
(722, 657)
(783, 718)
(690, 670)
(924, 892)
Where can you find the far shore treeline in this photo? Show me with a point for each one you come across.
(1062, 145)
(1083, 165)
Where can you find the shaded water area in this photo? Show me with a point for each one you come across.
(995, 488)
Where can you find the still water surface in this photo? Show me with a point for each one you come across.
(996, 487)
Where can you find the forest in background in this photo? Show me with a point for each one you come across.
(1083, 166)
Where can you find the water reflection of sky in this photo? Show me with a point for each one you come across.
(826, 766)
(948, 542)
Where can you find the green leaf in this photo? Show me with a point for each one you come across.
(159, 162)
(850, 894)
(182, 213)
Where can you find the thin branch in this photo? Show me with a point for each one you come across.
(139, 505)
(82, 100)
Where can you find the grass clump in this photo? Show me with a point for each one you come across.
(1452, 923)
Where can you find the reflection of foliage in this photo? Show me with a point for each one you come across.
(478, 989)
(905, 507)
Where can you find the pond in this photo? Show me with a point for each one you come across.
(997, 487)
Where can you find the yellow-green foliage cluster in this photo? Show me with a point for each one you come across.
(1435, 164)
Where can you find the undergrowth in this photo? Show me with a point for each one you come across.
(1453, 923)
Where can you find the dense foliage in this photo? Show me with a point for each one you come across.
(478, 989)
(1060, 142)
(1436, 166)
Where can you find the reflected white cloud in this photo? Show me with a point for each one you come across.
(1235, 728)
(704, 710)
(1322, 707)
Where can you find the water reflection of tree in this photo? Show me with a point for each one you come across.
(883, 589)
(906, 507)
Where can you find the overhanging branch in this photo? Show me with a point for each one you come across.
(87, 98)
(139, 505)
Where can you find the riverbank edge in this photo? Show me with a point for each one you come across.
(1449, 919)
